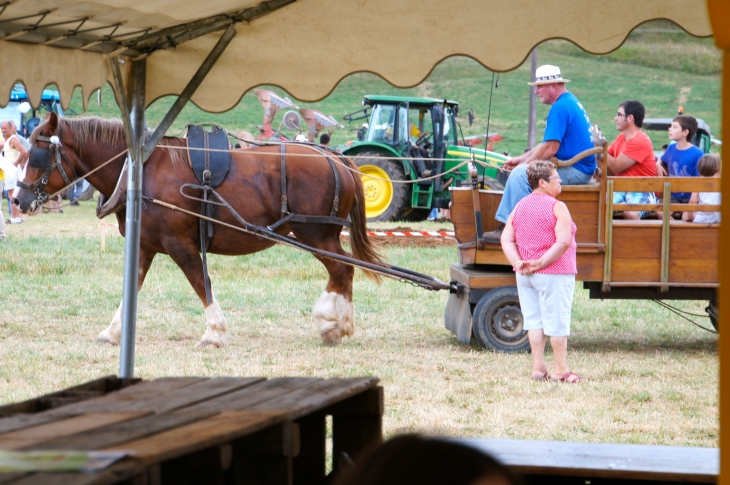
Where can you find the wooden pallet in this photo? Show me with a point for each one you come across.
(206, 430)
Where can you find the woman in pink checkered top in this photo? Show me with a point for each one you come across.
(539, 242)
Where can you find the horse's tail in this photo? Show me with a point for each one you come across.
(362, 247)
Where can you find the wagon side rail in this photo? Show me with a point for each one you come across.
(660, 253)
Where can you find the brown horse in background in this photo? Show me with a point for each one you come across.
(252, 188)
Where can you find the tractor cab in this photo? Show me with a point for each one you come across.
(408, 124)
(413, 141)
(25, 117)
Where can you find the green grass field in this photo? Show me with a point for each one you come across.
(651, 377)
(666, 70)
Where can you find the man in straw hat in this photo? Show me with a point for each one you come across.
(567, 133)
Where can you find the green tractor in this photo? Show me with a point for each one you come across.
(407, 139)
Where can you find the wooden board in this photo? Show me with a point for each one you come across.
(87, 390)
(198, 392)
(122, 432)
(218, 429)
(656, 184)
(121, 400)
(256, 394)
(477, 279)
(603, 460)
(317, 396)
(29, 438)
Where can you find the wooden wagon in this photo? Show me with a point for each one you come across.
(654, 259)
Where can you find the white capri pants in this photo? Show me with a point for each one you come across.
(546, 301)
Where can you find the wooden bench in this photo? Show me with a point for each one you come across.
(206, 430)
(571, 463)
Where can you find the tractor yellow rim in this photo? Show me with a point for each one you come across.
(378, 193)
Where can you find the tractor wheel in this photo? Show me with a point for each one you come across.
(384, 201)
(498, 323)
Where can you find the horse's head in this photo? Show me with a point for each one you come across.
(50, 167)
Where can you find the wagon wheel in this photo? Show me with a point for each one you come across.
(498, 323)
(384, 201)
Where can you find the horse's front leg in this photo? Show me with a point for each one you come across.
(113, 333)
(187, 257)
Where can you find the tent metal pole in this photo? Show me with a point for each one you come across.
(532, 119)
(136, 104)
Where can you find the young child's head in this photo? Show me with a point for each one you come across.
(683, 128)
(709, 165)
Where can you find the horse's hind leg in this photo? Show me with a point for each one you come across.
(333, 313)
(188, 258)
(113, 333)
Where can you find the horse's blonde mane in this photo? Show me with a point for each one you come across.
(110, 133)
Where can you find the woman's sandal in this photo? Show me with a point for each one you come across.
(544, 377)
(566, 379)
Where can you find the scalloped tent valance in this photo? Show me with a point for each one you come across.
(304, 46)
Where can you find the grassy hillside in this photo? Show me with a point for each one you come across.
(651, 67)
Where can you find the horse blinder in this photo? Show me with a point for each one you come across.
(40, 158)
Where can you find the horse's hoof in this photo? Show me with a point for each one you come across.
(332, 337)
(105, 341)
(204, 344)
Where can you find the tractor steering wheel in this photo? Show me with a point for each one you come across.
(423, 138)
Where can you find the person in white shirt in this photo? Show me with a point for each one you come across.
(15, 156)
(708, 166)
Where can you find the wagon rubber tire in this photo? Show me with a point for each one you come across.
(497, 322)
(387, 206)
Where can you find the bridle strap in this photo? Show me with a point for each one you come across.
(39, 185)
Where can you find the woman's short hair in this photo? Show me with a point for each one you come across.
(539, 170)
(414, 460)
(709, 165)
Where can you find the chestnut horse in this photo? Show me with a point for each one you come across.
(252, 188)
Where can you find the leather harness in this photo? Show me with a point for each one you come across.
(40, 158)
(286, 216)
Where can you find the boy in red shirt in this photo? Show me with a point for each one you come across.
(631, 155)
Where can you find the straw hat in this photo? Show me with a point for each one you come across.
(548, 74)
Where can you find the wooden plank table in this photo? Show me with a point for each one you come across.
(602, 463)
(225, 430)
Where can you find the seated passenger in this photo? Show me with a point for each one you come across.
(632, 155)
(708, 166)
(681, 157)
(566, 135)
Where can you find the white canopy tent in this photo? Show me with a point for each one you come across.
(153, 48)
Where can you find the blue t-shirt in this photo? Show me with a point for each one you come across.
(682, 163)
(568, 123)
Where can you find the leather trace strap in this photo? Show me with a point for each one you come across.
(284, 200)
(206, 226)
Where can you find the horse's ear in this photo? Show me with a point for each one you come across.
(53, 123)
